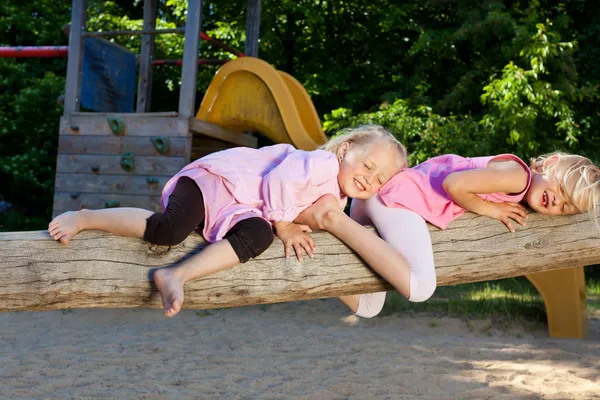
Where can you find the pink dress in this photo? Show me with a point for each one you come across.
(275, 183)
(419, 189)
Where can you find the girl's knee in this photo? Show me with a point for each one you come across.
(160, 231)
(250, 238)
(371, 304)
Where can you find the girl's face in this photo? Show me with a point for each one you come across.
(544, 196)
(363, 172)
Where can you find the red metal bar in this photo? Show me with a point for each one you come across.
(31, 52)
(62, 51)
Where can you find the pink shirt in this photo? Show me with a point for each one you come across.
(275, 183)
(419, 189)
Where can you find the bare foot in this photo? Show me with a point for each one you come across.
(66, 225)
(170, 288)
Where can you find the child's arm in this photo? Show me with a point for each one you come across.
(504, 177)
(292, 186)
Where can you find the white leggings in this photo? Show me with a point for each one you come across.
(407, 232)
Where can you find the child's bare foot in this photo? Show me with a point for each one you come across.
(66, 225)
(170, 288)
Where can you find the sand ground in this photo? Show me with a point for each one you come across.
(303, 350)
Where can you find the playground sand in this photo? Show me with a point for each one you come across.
(303, 350)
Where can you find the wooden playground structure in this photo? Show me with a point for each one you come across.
(116, 159)
(124, 159)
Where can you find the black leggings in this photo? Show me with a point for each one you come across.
(185, 212)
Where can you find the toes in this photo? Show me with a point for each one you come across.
(173, 309)
(61, 237)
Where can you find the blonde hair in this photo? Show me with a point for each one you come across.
(363, 136)
(578, 179)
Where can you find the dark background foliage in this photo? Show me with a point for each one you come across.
(467, 77)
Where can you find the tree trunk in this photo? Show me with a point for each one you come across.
(99, 270)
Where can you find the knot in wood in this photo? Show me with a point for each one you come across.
(158, 250)
(537, 244)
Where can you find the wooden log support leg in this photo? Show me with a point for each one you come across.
(563, 291)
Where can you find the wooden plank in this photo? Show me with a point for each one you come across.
(139, 145)
(218, 132)
(136, 125)
(110, 184)
(210, 143)
(75, 57)
(144, 92)
(199, 152)
(111, 164)
(252, 28)
(189, 70)
(102, 270)
(67, 201)
(204, 145)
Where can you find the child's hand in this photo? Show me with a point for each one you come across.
(295, 236)
(506, 211)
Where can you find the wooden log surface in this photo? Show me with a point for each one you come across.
(99, 270)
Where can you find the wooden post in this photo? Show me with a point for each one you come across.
(73, 84)
(189, 71)
(252, 28)
(144, 93)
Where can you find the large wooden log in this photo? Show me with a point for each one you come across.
(99, 270)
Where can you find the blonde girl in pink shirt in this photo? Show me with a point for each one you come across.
(237, 196)
(439, 191)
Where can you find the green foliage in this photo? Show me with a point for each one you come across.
(29, 113)
(524, 111)
(466, 77)
(418, 127)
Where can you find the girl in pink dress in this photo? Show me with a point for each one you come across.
(439, 191)
(237, 196)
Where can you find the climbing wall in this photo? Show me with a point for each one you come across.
(110, 160)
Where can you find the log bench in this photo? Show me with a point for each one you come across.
(99, 270)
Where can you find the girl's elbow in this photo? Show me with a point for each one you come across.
(449, 183)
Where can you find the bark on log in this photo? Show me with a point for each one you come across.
(99, 270)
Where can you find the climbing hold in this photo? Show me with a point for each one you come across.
(161, 143)
(75, 128)
(117, 125)
(127, 161)
(95, 168)
(75, 195)
(112, 204)
(152, 180)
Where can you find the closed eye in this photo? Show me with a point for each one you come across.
(367, 165)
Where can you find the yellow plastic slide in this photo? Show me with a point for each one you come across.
(248, 94)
